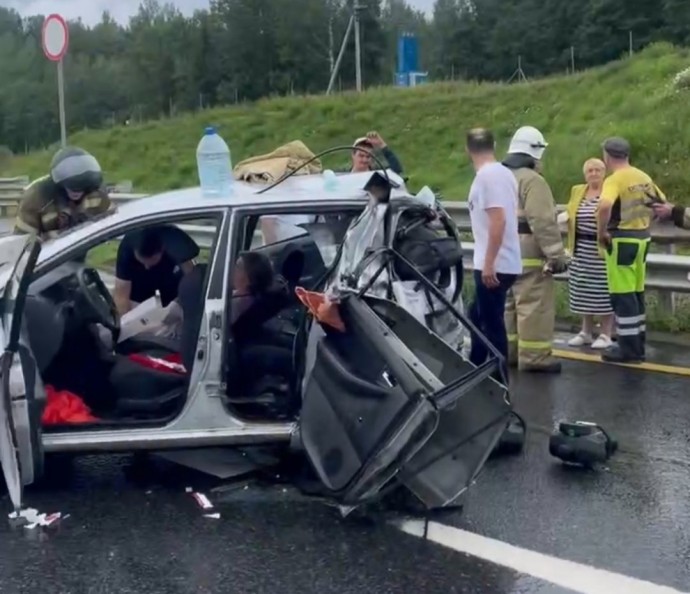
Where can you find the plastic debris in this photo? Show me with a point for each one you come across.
(202, 500)
(31, 519)
(215, 516)
(188, 490)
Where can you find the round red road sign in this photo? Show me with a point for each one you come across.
(55, 37)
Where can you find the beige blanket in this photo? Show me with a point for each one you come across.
(272, 166)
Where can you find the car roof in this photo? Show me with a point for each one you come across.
(298, 188)
(294, 190)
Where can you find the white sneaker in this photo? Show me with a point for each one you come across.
(580, 340)
(602, 342)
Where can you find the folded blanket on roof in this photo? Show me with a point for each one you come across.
(272, 166)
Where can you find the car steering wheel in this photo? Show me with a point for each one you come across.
(98, 299)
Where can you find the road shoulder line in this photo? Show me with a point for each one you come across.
(646, 366)
(567, 574)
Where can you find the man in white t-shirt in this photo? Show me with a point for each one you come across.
(493, 204)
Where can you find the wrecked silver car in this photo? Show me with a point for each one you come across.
(379, 401)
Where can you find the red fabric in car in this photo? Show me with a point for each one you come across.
(65, 408)
(170, 363)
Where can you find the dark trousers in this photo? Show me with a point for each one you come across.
(487, 314)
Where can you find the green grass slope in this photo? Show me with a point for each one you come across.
(634, 97)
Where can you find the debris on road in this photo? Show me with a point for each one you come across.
(202, 500)
(215, 516)
(31, 519)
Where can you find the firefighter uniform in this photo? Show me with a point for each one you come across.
(70, 195)
(530, 307)
(629, 192)
(46, 210)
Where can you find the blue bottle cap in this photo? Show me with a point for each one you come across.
(210, 131)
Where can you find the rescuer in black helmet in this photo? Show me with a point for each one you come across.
(71, 194)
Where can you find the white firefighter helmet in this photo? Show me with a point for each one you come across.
(528, 141)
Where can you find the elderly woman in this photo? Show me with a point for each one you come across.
(588, 288)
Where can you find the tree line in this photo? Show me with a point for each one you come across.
(162, 62)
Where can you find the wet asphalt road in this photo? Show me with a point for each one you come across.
(140, 532)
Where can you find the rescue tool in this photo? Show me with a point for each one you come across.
(582, 443)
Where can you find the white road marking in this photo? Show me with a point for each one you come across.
(567, 574)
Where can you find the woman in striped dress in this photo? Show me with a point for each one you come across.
(588, 288)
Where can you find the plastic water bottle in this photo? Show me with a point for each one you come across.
(330, 180)
(214, 165)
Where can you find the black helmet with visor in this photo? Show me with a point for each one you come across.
(76, 170)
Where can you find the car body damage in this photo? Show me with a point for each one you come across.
(377, 393)
(409, 226)
(388, 399)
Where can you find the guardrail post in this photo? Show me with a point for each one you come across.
(667, 299)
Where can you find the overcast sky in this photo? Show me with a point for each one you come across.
(91, 10)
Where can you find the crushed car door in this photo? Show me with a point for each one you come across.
(21, 453)
(380, 411)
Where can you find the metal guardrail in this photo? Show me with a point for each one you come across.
(666, 272)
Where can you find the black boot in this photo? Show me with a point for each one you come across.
(616, 354)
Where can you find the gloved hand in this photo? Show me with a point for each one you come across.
(557, 265)
(173, 314)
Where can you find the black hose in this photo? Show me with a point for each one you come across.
(321, 154)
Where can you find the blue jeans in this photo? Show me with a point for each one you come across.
(487, 314)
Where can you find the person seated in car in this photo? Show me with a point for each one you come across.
(150, 260)
(252, 276)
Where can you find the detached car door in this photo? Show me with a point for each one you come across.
(387, 403)
(21, 452)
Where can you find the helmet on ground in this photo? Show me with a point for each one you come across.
(528, 141)
(76, 170)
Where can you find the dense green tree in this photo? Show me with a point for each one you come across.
(163, 63)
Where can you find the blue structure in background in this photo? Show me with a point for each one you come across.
(408, 74)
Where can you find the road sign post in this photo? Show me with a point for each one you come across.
(55, 42)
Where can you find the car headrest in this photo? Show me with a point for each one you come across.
(293, 267)
(264, 307)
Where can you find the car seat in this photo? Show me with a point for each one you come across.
(140, 390)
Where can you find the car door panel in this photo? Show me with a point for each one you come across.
(21, 391)
(356, 442)
(347, 409)
(9, 447)
(472, 420)
(373, 409)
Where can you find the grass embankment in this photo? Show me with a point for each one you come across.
(634, 97)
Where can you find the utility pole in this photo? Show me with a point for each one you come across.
(331, 55)
(630, 42)
(572, 59)
(358, 48)
(353, 23)
(519, 73)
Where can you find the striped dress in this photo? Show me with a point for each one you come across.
(588, 288)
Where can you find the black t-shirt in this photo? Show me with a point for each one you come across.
(178, 247)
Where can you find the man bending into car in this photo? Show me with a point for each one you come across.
(150, 260)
